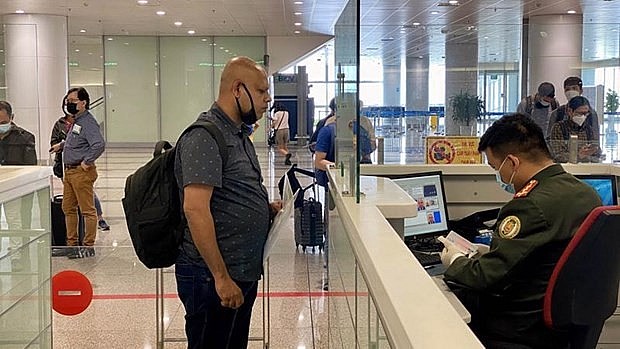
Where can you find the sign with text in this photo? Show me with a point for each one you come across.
(452, 150)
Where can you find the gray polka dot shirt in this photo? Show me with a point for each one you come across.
(239, 205)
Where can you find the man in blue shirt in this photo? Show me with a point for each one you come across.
(325, 153)
(83, 145)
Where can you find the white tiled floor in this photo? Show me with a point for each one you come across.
(122, 313)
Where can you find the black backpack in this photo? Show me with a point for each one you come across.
(152, 205)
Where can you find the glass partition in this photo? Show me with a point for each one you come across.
(86, 70)
(227, 47)
(353, 319)
(154, 86)
(410, 71)
(131, 87)
(186, 68)
(2, 67)
(25, 311)
(346, 51)
(19, 76)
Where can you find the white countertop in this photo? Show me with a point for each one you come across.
(480, 169)
(16, 181)
(415, 312)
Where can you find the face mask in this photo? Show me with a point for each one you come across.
(248, 118)
(544, 103)
(4, 128)
(72, 108)
(507, 187)
(579, 119)
(570, 94)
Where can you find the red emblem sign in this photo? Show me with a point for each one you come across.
(72, 292)
(441, 152)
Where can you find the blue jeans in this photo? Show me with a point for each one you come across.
(208, 324)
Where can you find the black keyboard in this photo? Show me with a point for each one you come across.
(426, 259)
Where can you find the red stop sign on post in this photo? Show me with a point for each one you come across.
(72, 292)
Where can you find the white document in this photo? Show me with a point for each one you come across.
(287, 190)
(462, 245)
(282, 224)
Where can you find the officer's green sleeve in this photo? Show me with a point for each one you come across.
(492, 270)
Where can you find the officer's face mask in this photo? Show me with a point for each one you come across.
(508, 187)
(544, 103)
(248, 118)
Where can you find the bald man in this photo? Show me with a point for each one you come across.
(228, 213)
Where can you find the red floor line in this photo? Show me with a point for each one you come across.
(291, 294)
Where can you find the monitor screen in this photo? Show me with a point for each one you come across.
(428, 191)
(605, 186)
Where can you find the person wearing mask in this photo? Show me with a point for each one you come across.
(59, 134)
(17, 145)
(504, 288)
(578, 111)
(228, 213)
(82, 147)
(279, 124)
(17, 148)
(540, 106)
(573, 87)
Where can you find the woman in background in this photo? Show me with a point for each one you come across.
(588, 150)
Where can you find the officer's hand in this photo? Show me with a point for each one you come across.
(449, 253)
(482, 249)
(230, 294)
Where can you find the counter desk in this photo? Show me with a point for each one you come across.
(25, 261)
(471, 188)
(387, 299)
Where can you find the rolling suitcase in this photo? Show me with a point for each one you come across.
(308, 217)
(309, 229)
(59, 229)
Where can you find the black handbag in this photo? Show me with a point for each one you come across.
(272, 133)
(57, 167)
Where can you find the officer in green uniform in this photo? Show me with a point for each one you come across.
(504, 288)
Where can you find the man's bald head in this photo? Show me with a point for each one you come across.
(240, 68)
(244, 89)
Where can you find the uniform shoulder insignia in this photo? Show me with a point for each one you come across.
(509, 227)
(527, 189)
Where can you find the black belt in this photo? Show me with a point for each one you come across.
(70, 167)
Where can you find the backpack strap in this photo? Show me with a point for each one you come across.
(529, 105)
(554, 104)
(561, 113)
(215, 132)
(161, 147)
(281, 119)
(565, 130)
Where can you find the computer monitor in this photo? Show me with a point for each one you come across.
(605, 186)
(427, 190)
